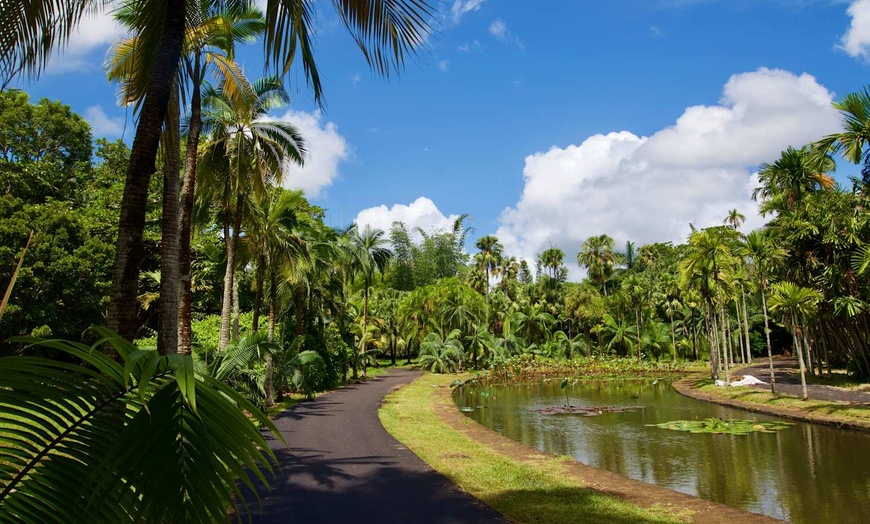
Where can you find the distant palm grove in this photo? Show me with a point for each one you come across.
(235, 292)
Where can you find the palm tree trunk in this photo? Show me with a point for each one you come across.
(236, 309)
(269, 381)
(767, 334)
(673, 338)
(273, 310)
(167, 331)
(725, 345)
(365, 324)
(746, 326)
(130, 248)
(637, 325)
(796, 336)
(188, 186)
(229, 276)
(258, 298)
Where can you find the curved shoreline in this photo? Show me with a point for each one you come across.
(688, 387)
(694, 509)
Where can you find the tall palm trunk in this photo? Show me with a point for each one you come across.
(769, 350)
(130, 248)
(362, 348)
(725, 344)
(746, 326)
(188, 187)
(229, 276)
(236, 309)
(167, 332)
(258, 298)
(796, 337)
(270, 380)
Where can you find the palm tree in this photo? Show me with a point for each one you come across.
(734, 219)
(245, 154)
(489, 257)
(797, 305)
(763, 256)
(795, 174)
(598, 257)
(852, 141)
(371, 254)
(442, 354)
(385, 30)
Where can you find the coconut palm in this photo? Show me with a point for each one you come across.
(734, 219)
(245, 153)
(796, 173)
(386, 31)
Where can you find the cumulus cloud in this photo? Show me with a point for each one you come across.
(499, 29)
(856, 41)
(648, 189)
(326, 150)
(463, 7)
(96, 32)
(102, 124)
(422, 213)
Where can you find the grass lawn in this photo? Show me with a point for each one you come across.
(836, 410)
(534, 489)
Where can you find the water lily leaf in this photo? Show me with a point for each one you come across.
(719, 426)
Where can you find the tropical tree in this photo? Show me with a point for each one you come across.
(797, 305)
(385, 30)
(790, 178)
(852, 142)
(442, 354)
(245, 153)
(598, 257)
(734, 219)
(489, 258)
(371, 255)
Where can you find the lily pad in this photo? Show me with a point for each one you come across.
(718, 426)
(586, 411)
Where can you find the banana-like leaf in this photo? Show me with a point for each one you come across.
(143, 440)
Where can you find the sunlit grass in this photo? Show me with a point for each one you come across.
(528, 490)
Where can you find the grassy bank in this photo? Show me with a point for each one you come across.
(537, 488)
(842, 414)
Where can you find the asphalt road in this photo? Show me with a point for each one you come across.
(342, 466)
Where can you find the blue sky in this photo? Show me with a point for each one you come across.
(549, 122)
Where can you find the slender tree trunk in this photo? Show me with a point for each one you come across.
(273, 308)
(739, 333)
(769, 350)
(188, 186)
(725, 344)
(637, 325)
(258, 298)
(236, 308)
(673, 338)
(130, 248)
(167, 333)
(229, 276)
(365, 326)
(746, 326)
(796, 336)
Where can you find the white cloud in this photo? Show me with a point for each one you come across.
(102, 124)
(95, 32)
(856, 41)
(326, 150)
(422, 213)
(649, 189)
(463, 7)
(498, 28)
(444, 65)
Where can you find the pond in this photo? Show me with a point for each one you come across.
(806, 473)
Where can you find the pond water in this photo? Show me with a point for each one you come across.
(806, 473)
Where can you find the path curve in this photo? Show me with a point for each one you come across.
(342, 466)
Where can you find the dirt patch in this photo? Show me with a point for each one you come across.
(680, 505)
(688, 385)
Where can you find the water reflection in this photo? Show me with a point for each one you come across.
(805, 474)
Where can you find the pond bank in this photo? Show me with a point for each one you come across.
(845, 415)
(527, 485)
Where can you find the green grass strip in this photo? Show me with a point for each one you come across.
(524, 490)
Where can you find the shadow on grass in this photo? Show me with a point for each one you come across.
(564, 505)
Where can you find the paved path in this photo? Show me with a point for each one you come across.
(342, 466)
(788, 381)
